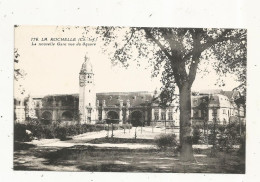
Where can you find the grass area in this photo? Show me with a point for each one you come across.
(22, 146)
(89, 158)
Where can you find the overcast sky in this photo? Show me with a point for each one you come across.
(55, 69)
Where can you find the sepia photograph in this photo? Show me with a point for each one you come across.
(130, 99)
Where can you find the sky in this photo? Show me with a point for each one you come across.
(55, 69)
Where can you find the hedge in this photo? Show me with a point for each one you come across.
(56, 130)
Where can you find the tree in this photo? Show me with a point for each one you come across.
(111, 121)
(165, 98)
(135, 123)
(18, 73)
(180, 52)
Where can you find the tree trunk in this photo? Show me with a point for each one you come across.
(186, 153)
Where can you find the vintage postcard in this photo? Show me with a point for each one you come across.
(130, 99)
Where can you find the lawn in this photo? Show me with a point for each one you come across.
(112, 159)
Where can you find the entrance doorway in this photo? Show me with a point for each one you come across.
(112, 115)
(137, 115)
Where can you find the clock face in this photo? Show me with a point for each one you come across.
(82, 76)
(82, 83)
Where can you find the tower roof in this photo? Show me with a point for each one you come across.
(86, 66)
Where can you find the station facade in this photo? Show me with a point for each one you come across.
(90, 107)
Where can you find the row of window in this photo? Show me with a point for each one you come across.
(118, 97)
(199, 113)
(163, 116)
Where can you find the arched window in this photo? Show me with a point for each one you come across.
(112, 115)
(46, 117)
(137, 115)
(67, 116)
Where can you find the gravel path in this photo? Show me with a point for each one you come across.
(142, 133)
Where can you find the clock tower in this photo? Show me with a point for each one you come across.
(87, 94)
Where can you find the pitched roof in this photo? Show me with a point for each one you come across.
(214, 101)
(197, 101)
(231, 94)
(211, 91)
(135, 98)
(66, 99)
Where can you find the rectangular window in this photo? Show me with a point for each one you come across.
(195, 113)
(224, 122)
(199, 113)
(170, 116)
(163, 117)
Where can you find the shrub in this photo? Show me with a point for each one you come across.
(42, 131)
(126, 126)
(55, 130)
(20, 133)
(196, 135)
(166, 141)
(224, 143)
(242, 147)
(226, 135)
(61, 133)
(100, 127)
(136, 123)
(232, 130)
(101, 122)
